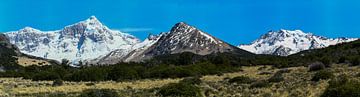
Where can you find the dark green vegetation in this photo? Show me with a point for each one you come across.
(241, 80)
(99, 93)
(341, 53)
(119, 72)
(322, 75)
(342, 87)
(185, 88)
(7, 51)
(277, 77)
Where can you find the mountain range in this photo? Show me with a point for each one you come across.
(286, 42)
(92, 42)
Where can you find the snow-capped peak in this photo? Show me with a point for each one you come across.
(93, 21)
(286, 42)
(84, 40)
(29, 29)
(183, 28)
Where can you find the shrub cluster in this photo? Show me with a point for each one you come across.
(185, 88)
(99, 93)
(322, 75)
(342, 87)
(241, 80)
(118, 72)
(277, 77)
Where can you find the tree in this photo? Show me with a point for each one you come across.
(65, 62)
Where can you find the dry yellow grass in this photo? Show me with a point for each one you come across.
(296, 84)
(31, 87)
(25, 61)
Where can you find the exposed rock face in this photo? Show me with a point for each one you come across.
(6, 48)
(183, 38)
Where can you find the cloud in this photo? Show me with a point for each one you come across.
(135, 29)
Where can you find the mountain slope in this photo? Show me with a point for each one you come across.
(285, 42)
(121, 55)
(184, 38)
(81, 41)
(11, 57)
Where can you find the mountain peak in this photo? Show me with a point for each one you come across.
(93, 17)
(286, 42)
(28, 29)
(181, 25)
(92, 20)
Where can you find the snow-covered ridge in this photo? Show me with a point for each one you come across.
(84, 40)
(286, 42)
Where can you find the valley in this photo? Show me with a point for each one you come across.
(296, 81)
(88, 59)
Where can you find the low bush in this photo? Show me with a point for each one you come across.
(57, 82)
(322, 75)
(191, 80)
(342, 87)
(99, 93)
(185, 88)
(241, 80)
(260, 84)
(316, 66)
(277, 77)
(355, 61)
(179, 90)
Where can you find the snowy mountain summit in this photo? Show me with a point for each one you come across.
(85, 40)
(286, 42)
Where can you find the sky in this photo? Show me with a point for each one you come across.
(234, 21)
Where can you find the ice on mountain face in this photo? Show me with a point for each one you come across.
(125, 55)
(81, 41)
(285, 42)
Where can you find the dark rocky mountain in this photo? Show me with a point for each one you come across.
(185, 38)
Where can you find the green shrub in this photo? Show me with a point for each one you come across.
(121, 73)
(179, 89)
(99, 93)
(57, 82)
(342, 60)
(322, 75)
(260, 84)
(241, 80)
(355, 61)
(191, 80)
(342, 87)
(277, 77)
(45, 75)
(316, 66)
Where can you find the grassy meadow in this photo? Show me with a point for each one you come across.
(295, 82)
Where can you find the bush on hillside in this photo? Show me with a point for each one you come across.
(277, 77)
(355, 61)
(99, 93)
(322, 75)
(260, 84)
(241, 80)
(191, 80)
(316, 66)
(179, 90)
(342, 87)
(57, 82)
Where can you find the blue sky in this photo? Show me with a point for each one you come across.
(234, 21)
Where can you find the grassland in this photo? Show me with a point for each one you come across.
(297, 83)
